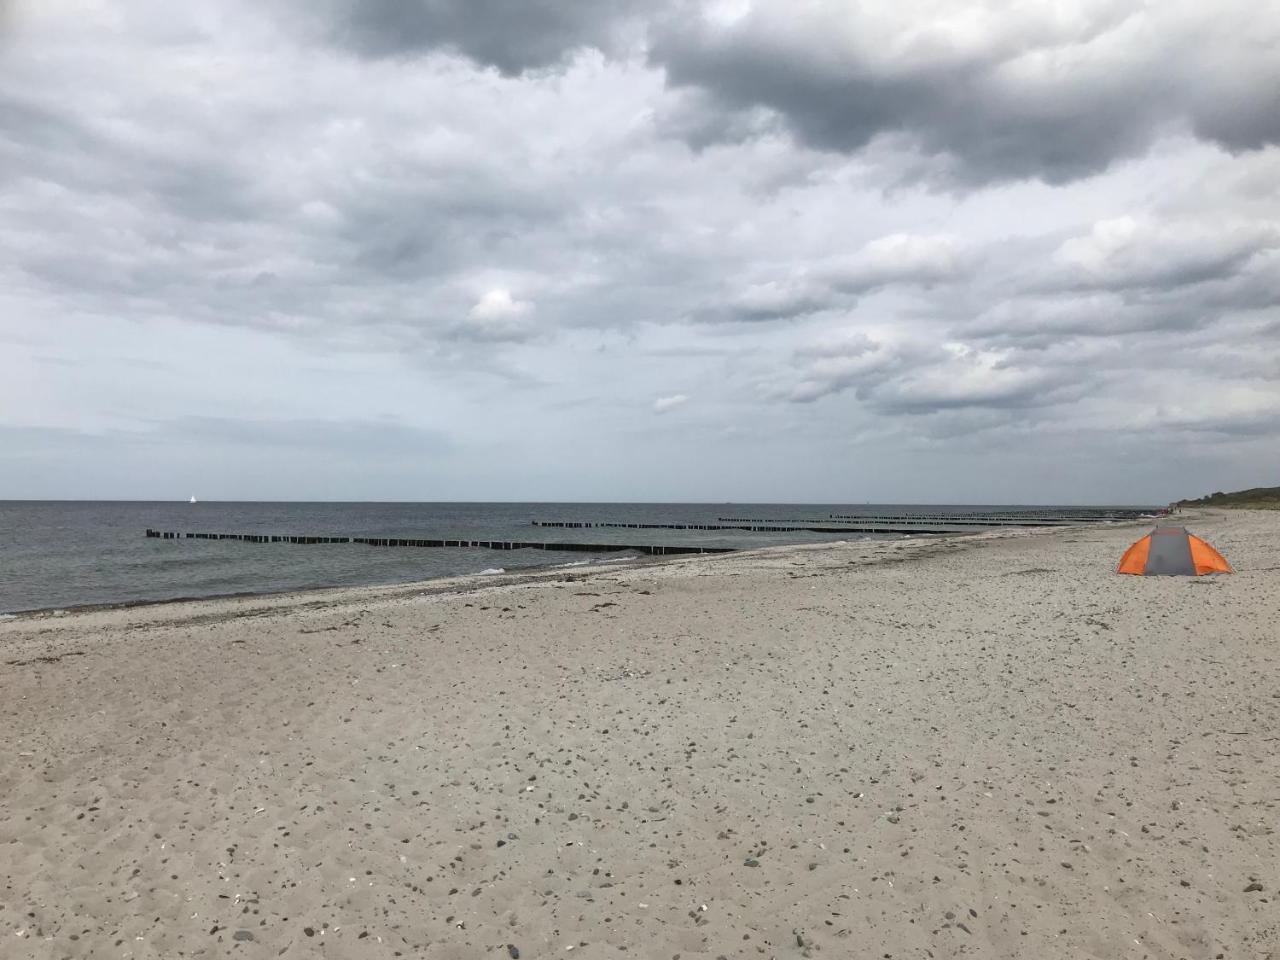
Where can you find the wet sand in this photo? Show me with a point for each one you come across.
(984, 746)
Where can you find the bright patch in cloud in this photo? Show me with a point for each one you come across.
(499, 317)
(663, 404)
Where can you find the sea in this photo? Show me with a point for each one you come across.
(65, 554)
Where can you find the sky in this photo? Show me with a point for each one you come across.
(742, 250)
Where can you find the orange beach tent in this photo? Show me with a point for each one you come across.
(1172, 551)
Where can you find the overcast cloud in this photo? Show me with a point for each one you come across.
(731, 250)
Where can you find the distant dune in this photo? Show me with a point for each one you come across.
(1255, 498)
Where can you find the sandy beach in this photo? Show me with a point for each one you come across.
(984, 746)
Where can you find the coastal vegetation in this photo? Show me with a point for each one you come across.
(1255, 498)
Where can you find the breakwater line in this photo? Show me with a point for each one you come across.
(656, 550)
(1016, 519)
(930, 520)
(943, 526)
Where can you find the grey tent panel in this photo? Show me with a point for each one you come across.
(1170, 553)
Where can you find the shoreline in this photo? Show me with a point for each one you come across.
(68, 609)
(60, 566)
(9, 616)
(47, 612)
(509, 577)
(983, 745)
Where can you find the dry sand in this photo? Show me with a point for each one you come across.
(984, 746)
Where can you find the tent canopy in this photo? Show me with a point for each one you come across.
(1172, 551)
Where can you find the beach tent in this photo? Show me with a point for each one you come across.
(1172, 551)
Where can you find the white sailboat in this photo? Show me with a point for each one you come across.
(193, 499)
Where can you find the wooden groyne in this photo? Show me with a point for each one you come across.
(933, 520)
(1029, 518)
(942, 527)
(854, 523)
(906, 521)
(656, 550)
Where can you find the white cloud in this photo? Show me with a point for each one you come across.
(831, 282)
(664, 404)
(497, 317)
(912, 376)
(1135, 252)
(498, 306)
(901, 258)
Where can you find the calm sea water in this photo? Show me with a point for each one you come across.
(64, 554)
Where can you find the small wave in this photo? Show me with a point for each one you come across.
(492, 570)
(8, 616)
(574, 563)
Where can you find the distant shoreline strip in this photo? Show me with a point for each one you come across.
(923, 524)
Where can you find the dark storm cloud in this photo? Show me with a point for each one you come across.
(999, 95)
(512, 35)
(994, 95)
(989, 95)
(979, 137)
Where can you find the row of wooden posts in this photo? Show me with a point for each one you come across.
(926, 520)
(754, 528)
(649, 549)
(939, 525)
(1085, 515)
